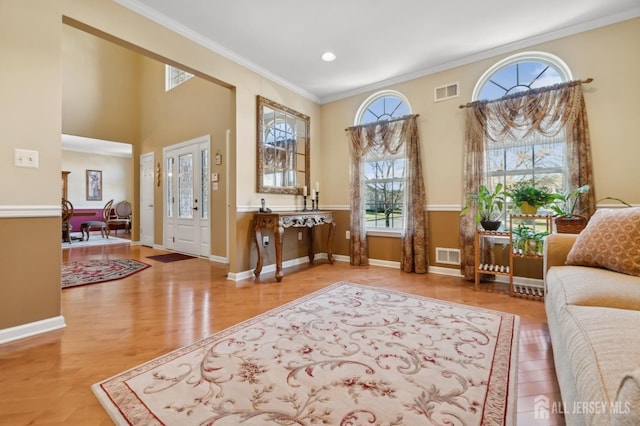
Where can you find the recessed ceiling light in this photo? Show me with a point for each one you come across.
(328, 56)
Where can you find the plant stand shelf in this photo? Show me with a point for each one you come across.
(483, 267)
(504, 267)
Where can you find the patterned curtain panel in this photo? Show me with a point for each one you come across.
(546, 112)
(389, 138)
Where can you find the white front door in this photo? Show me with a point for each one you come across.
(147, 199)
(187, 197)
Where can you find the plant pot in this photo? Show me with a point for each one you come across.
(490, 225)
(527, 208)
(570, 224)
(532, 248)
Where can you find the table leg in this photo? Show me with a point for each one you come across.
(332, 232)
(311, 238)
(258, 235)
(278, 233)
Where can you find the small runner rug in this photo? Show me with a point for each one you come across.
(170, 257)
(98, 271)
(347, 354)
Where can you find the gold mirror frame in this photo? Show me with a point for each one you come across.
(283, 149)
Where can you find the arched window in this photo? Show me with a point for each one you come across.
(535, 157)
(521, 72)
(384, 175)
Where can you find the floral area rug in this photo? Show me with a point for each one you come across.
(345, 355)
(98, 271)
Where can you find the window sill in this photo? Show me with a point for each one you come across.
(396, 233)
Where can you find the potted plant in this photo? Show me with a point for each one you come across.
(488, 206)
(529, 197)
(568, 220)
(528, 242)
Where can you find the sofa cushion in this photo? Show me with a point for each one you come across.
(580, 285)
(601, 348)
(627, 407)
(611, 240)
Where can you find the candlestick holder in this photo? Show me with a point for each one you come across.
(313, 204)
(304, 203)
(317, 200)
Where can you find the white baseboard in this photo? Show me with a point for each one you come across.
(452, 272)
(270, 269)
(31, 329)
(219, 259)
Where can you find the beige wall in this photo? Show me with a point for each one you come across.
(611, 103)
(196, 108)
(100, 83)
(117, 178)
(30, 111)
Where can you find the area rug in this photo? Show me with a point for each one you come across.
(94, 240)
(345, 355)
(170, 257)
(98, 271)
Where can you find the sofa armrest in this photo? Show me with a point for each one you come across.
(556, 249)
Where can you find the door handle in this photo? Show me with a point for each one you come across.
(195, 208)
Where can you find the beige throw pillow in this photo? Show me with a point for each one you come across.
(611, 240)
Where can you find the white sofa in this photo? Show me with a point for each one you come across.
(593, 313)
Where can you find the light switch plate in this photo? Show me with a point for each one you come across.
(25, 158)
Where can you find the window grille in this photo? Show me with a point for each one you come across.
(175, 77)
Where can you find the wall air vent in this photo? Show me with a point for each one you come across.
(445, 92)
(448, 255)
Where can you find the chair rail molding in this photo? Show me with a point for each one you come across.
(30, 211)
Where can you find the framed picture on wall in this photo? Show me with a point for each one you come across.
(94, 185)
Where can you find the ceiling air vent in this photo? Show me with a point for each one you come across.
(448, 91)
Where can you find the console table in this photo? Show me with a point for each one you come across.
(279, 221)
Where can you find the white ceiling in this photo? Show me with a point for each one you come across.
(377, 43)
(96, 146)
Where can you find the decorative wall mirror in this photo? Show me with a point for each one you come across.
(283, 149)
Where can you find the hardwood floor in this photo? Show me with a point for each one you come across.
(117, 325)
